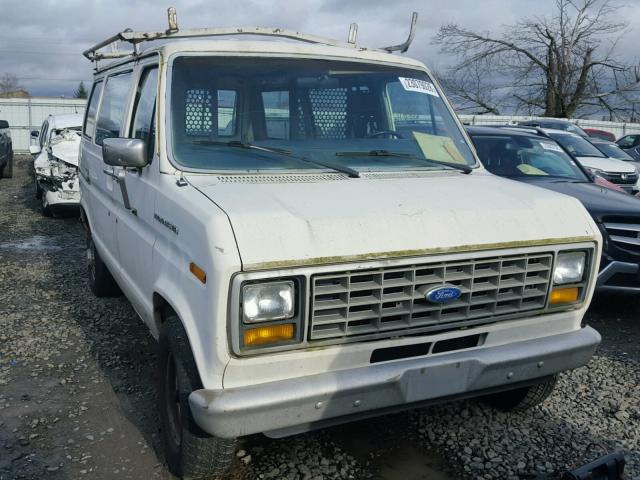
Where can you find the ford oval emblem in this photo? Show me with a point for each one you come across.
(443, 293)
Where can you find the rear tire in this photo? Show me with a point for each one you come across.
(101, 282)
(522, 399)
(8, 169)
(190, 452)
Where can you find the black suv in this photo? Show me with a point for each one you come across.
(541, 161)
(6, 151)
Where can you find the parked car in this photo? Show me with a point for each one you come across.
(601, 134)
(56, 162)
(622, 173)
(6, 151)
(542, 162)
(554, 124)
(312, 239)
(612, 150)
(631, 145)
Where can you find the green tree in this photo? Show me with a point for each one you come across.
(80, 92)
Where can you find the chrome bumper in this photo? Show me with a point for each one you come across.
(301, 404)
(612, 269)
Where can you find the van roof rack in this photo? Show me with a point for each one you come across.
(136, 38)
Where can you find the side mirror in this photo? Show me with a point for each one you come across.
(4, 124)
(34, 149)
(124, 152)
(35, 133)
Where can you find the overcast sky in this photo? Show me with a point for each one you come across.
(41, 41)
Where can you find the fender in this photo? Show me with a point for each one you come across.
(211, 371)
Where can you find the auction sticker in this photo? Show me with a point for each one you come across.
(551, 146)
(417, 85)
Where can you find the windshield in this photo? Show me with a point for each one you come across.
(520, 156)
(578, 146)
(614, 151)
(351, 115)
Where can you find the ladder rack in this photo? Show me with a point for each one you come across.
(136, 38)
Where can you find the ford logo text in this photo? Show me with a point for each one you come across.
(443, 294)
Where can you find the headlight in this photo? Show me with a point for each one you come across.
(569, 268)
(262, 302)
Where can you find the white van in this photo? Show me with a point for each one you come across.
(306, 228)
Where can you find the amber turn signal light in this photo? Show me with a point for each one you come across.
(563, 295)
(198, 272)
(268, 334)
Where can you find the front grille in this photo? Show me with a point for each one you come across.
(392, 299)
(621, 178)
(625, 234)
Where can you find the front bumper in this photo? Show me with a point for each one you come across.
(607, 277)
(61, 198)
(292, 406)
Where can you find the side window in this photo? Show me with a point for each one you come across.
(92, 109)
(627, 142)
(43, 134)
(143, 126)
(112, 108)
(276, 114)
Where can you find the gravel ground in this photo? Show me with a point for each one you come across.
(77, 389)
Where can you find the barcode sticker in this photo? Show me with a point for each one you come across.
(417, 85)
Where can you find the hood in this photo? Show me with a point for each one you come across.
(287, 222)
(66, 147)
(599, 201)
(608, 164)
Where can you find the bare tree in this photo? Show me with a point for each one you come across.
(9, 84)
(560, 66)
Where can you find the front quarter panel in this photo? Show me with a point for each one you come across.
(191, 228)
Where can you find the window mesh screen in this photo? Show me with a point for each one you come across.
(329, 107)
(198, 114)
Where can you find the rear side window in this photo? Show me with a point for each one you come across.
(276, 114)
(143, 115)
(92, 109)
(627, 142)
(112, 108)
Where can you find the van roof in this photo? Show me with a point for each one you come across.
(278, 48)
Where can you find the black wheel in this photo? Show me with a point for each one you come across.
(8, 169)
(101, 282)
(190, 452)
(47, 211)
(38, 190)
(522, 398)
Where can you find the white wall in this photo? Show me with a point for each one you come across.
(26, 114)
(619, 129)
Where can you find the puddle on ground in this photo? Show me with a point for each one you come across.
(37, 243)
(395, 457)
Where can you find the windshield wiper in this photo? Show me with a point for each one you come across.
(385, 153)
(352, 173)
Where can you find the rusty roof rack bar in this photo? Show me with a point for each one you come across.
(135, 38)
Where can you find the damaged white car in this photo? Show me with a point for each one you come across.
(56, 162)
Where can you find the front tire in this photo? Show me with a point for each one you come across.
(39, 192)
(190, 452)
(101, 282)
(522, 399)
